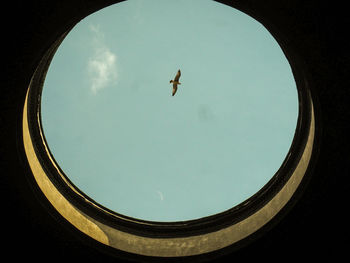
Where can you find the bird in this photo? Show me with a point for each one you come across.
(176, 82)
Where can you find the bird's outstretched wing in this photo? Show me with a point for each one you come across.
(177, 77)
(174, 89)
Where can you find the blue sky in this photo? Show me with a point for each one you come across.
(118, 134)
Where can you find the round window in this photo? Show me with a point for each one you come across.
(160, 128)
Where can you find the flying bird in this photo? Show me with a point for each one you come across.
(176, 82)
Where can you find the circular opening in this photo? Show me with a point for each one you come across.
(115, 130)
(125, 161)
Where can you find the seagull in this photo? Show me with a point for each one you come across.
(176, 81)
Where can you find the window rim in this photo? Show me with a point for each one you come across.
(180, 229)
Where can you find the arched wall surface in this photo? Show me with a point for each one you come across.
(302, 32)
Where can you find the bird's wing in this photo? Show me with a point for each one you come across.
(177, 77)
(174, 89)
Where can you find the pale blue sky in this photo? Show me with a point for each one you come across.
(118, 134)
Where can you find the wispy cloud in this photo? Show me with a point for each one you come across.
(102, 67)
(161, 196)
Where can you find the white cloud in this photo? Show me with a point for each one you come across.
(161, 196)
(95, 29)
(102, 67)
